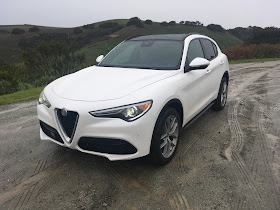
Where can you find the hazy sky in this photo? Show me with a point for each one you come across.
(69, 13)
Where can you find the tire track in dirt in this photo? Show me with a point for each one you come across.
(237, 142)
(244, 172)
(24, 198)
(267, 156)
(242, 204)
(241, 87)
(25, 187)
(233, 151)
(179, 201)
(41, 165)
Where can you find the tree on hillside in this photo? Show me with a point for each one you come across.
(198, 23)
(215, 28)
(182, 22)
(241, 33)
(77, 30)
(148, 22)
(34, 29)
(18, 31)
(88, 26)
(172, 23)
(136, 22)
(164, 23)
(193, 23)
(108, 25)
(269, 35)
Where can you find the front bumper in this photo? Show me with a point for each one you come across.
(138, 133)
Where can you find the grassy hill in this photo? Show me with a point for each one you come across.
(93, 41)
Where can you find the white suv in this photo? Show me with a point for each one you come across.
(138, 97)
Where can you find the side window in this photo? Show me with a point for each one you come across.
(215, 49)
(194, 51)
(208, 49)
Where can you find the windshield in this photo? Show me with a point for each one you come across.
(147, 54)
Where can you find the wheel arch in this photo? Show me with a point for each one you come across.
(226, 75)
(177, 105)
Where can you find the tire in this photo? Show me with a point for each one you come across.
(221, 100)
(165, 137)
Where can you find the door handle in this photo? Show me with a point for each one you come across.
(222, 62)
(208, 71)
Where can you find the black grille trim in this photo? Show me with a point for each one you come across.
(51, 132)
(108, 146)
(68, 123)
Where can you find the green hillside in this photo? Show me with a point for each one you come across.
(93, 40)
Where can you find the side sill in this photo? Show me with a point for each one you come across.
(198, 115)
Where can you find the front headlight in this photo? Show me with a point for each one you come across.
(43, 100)
(128, 113)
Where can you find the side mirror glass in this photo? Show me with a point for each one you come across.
(99, 58)
(199, 63)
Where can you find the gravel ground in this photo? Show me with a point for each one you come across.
(225, 160)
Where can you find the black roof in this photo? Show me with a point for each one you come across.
(177, 37)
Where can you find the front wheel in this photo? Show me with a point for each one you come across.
(165, 137)
(222, 95)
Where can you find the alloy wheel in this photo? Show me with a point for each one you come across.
(169, 138)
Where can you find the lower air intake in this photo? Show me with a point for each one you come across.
(51, 132)
(108, 146)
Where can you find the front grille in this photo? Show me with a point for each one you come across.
(51, 132)
(108, 146)
(68, 122)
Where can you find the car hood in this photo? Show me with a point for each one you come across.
(106, 83)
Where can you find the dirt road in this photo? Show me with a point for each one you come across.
(226, 160)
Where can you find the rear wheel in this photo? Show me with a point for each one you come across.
(222, 95)
(165, 137)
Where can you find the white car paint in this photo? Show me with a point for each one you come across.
(97, 88)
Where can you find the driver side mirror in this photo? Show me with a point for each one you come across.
(199, 63)
(99, 58)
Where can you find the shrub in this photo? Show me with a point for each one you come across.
(253, 51)
(52, 59)
(2, 31)
(18, 31)
(148, 22)
(34, 29)
(215, 28)
(8, 78)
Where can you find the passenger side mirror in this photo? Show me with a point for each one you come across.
(99, 58)
(199, 63)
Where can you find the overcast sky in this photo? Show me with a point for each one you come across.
(70, 13)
